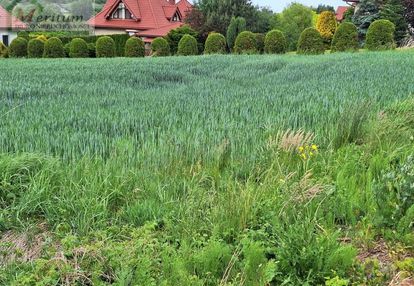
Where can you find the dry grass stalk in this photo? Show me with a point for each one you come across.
(290, 140)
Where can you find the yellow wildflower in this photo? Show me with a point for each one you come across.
(314, 147)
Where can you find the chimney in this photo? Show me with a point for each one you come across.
(172, 2)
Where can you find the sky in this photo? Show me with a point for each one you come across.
(279, 5)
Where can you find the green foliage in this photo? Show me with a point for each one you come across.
(326, 26)
(275, 42)
(245, 43)
(4, 51)
(187, 46)
(23, 34)
(345, 38)
(292, 22)
(174, 36)
(260, 42)
(18, 48)
(367, 12)
(380, 36)
(160, 47)
(394, 192)
(54, 48)
(135, 47)
(215, 44)
(78, 48)
(66, 49)
(105, 47)
(311, 43)
(35, 48)
(236, 26)
(91, 50)
(393, 10)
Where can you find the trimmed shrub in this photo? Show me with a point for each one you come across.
(245, 43)
(345, 38)
(42, 38)
(380, 36)
(160, 47)
(92, 50)
(105, 47)
(78, 48)
(260, 42)
(35, 48)
(215, 44)
(311, 42)
(54, 48)
(174, 36)
(18, 48)
(275, 42)
(187, 46)
(4, 51)
(23, 34)
(134, 47)
(326, 26)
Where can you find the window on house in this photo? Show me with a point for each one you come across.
(5, 40)
(176, 17)
(121, 12)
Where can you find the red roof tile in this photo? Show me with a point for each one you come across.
(340, 11)
(7, 21)
(149, 15)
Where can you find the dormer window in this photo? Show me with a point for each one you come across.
(176, 17)
(121, 12)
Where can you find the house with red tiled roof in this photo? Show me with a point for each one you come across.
(9, 26)
(340, 13)
(147, 19)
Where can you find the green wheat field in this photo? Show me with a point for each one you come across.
(208, 170)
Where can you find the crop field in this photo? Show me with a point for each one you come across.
(208, 170)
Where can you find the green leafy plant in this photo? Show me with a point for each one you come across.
(187, 46)
(105, 47)
(275, 42)
(380, 36)
(35, 48)
(53, 48)
(345, 38)
(134, 47)
(245, 43)
(78, 48)
(215, 44)
(311, 43)
(18, 48)
(160, 47)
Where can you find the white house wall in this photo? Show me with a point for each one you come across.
(12, 35)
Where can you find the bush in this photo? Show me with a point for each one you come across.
(105, 47)
(215, 44)
(134, 47)
(174, 36)
(326, 26)
(42, 38)
(394, 192)
(311, 42)
(92, 50)
(160, 47)
(345, 38)
(4, 51)
(275, 42)
(259, 42)
(380, 36)
(54, 48)
(245, 43)
(187, 46)
(78, 48)
(18, 48)
(35, 48)
(23, 34)
(236, 26)
(66, 49)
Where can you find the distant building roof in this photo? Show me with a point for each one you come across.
(8, 21)
(151, 18)
(340, 12)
